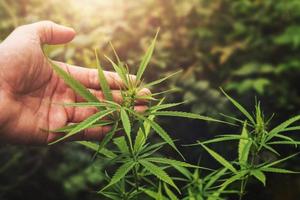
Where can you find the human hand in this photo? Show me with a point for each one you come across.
(30, 89)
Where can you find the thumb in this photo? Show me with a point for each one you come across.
(52, 33)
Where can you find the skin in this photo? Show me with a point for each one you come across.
(30, 90)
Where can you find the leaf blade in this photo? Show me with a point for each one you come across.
(73, 83)
(103, 81)
(158, 172)
(146, 58)
(219, 158)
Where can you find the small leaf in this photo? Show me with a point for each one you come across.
(85, 124)
(73, 83)
(285, 142)
(278, 161)
(183, 171)
(146, 59)
(158, 172)
(102, 81)
(142, 134)
(159, 130)
(239, 106)
(186, 115)
(224, 138)
(165, 106)
(271, 149)
(170, 162)
(126, 124)
(293, 128)
(107, 138)
(68, 128)
(86, 104)
(282, 126)
(259, 175)
(215, 177)
(169, 192)
(120, 142)
(119, 71)
(120, 173)
(232, 179)
(151, 193)
(244, 147)
(144, 131)
(148, 85)
(219, 158)
(278, 170)
(95, 147)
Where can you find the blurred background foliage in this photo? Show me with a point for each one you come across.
(251, 48)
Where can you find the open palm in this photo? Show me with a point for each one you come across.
(31, 91)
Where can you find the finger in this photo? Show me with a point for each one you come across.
(52, 33)
(117, 96)
(140, 109)
(89, 77)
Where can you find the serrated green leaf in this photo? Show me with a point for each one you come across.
(126, 124)
(142, 134)
(214, 178)
(244, 147)
(183, 171)
(259, 175)
(86, 104)
(169, 192)
(219, 158)
(158, 172)
(282, 126)
(232, 179)
(144, 131)
(146, 59)
(285, 142)
(278, 170)
(107, 138)
(271, 149)
(148, 85)
(165, 106)
(239, 107)
(186, 115)
(93, 146)
(120, 142)
(68, 128)
(73, 83)
(223, 139)
(102, 80)
(278, 161)
(170, 162)
(152, 194)
(123, 75)
(293, 128)
(120, 173)
(159, 130)
(85, 124)
(159, 192)
(215, 195)
(111, 195)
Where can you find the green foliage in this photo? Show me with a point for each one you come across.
(137, 165)
(233, 44)
(136, 161)
(254, 140)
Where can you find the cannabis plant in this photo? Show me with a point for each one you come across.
(139, 169)
(255, 141)
(134, 154)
